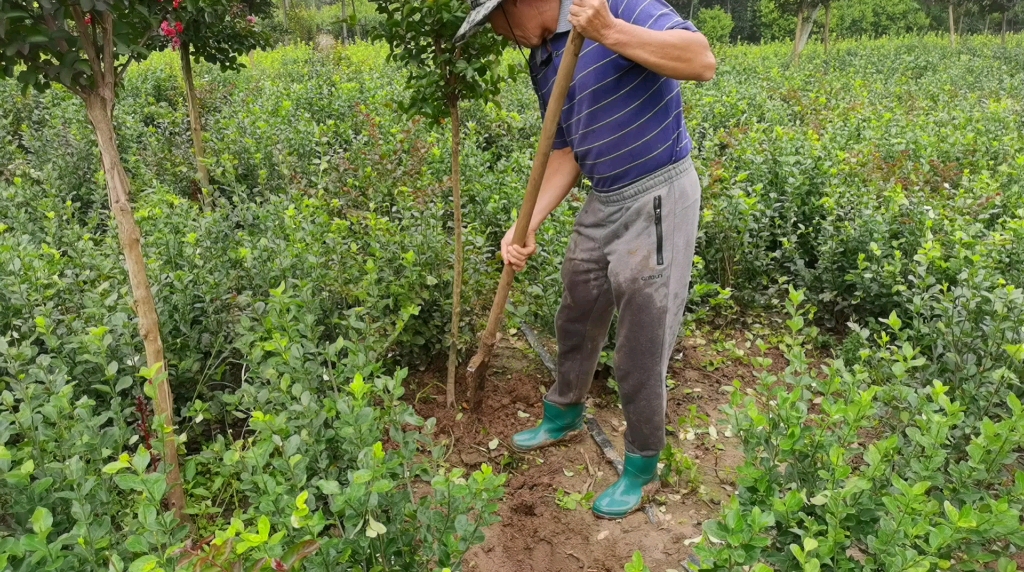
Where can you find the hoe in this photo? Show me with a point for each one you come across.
(477, 371)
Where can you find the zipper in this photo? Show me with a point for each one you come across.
(657, 229)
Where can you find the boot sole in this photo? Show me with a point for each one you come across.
(571, 436)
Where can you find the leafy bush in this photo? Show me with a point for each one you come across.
(892, 462)
(873, 188)
(716, 24)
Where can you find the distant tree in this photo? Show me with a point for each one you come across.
(949, 9)
(218, 32)
(716, 24)
(806, 11)
(440, 76)
(1002, 8)
(875, 18)
(86, 46)
(827, 32)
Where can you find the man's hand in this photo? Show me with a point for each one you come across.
(592, 18)
(515, 255)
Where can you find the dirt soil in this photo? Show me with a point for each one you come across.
(536, 534)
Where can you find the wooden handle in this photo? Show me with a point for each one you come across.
(566, 69)
(563, 80)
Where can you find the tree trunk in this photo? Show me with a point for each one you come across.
(799, 29)
(828, 26)
(1006, 21)
(284, 13)
(693, 3)
(805, 23)
(344, 23)
(100, 111)
(252, 59)
(952, 25)
(194, 120)
(453, 351)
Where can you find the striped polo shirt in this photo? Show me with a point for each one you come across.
(623, 121)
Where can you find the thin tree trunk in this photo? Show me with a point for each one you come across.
(799, 30)
(100, 111)
(252, 59)
(453, 351)
(952, 25)
(692, 4)
(194, 119)
(805, 23)
(344, 23)
(284, 13)
(828, 26)
(1006, 21)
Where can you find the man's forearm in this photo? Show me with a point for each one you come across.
(676, 54)
(559, 178)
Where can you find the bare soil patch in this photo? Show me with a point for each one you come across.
(536, 534)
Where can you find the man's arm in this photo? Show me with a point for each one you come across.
(675, 54)
(559, 178)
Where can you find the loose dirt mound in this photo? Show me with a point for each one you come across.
(535, 533)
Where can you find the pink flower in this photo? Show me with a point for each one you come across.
(177, 4)
(88, 19)
(251, 19)
(178, 27)
(175, 43)
(166, 29)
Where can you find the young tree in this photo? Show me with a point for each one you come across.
(218, 32)
(806, 12)
(86, 46)
(950, 7)
(827, 33)
(1003, 8)
(440, 76)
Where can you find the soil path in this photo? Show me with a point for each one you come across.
(535, 533)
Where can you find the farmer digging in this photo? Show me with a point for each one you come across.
(632, 246)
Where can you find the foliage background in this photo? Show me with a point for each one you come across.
(870, 180)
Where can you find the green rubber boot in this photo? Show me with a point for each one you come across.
(626, 494)
(559, 422)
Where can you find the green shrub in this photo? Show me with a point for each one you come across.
(716, 24)
(889, 463)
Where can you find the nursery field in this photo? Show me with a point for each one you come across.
(846, 394)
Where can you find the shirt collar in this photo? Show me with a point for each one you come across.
(543, 53)
(563, 17)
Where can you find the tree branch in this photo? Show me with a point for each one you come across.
(88, 44)
(52, 25)
(110, 66)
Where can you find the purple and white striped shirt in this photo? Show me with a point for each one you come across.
(623, 121)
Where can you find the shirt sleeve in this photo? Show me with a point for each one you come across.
(651, 14)
(561, 141)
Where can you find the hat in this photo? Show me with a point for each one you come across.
(482, 10)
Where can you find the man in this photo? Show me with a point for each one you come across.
(632, 247)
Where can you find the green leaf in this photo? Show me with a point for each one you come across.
(141, 460)
(42, 521)
(374, 528)
(136, 544)
(147, 563)
(329, 487)
(33, 543)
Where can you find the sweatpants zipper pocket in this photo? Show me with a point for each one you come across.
(657, 229)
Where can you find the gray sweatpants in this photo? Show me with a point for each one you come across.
(631, 251)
